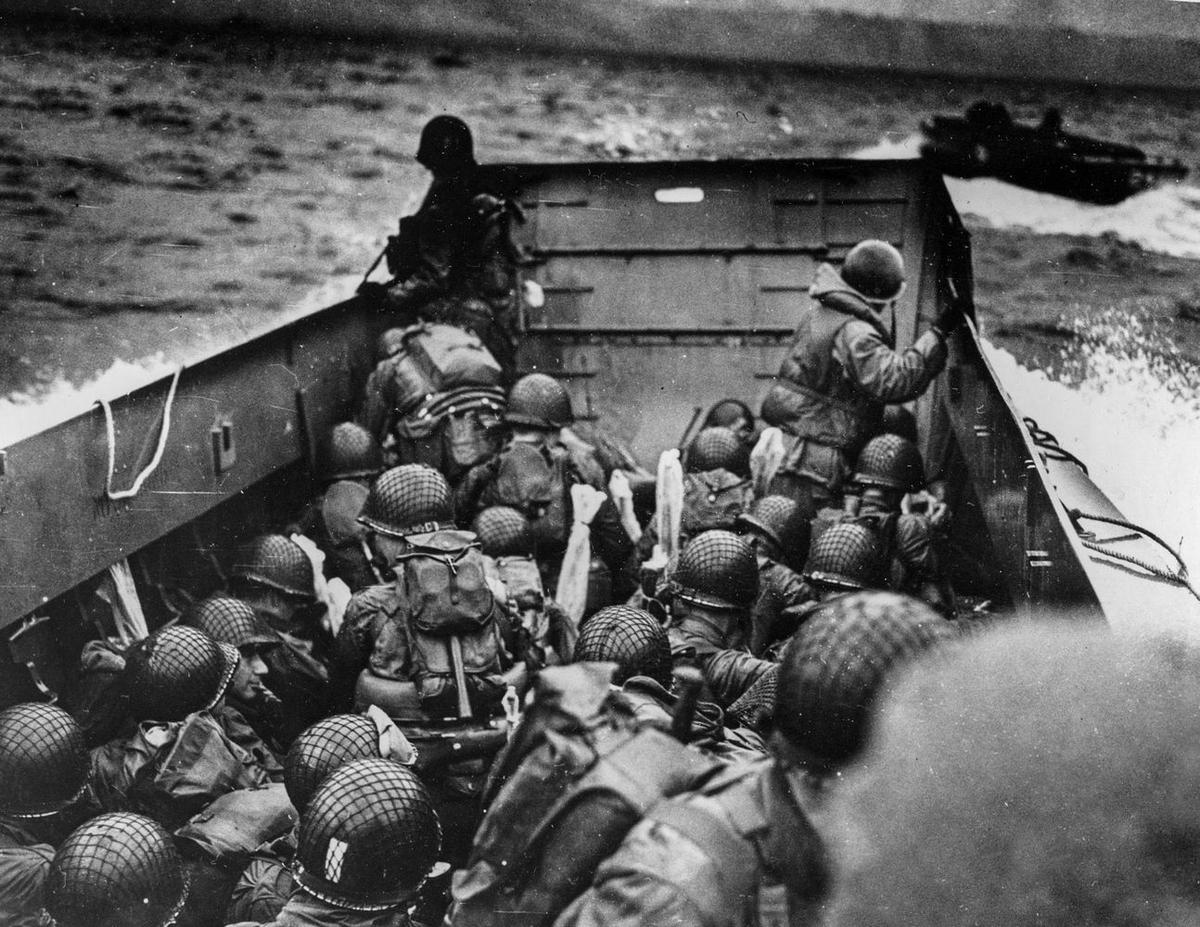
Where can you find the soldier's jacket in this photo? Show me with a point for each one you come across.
(729, 668)
(265, 886)
(840, 372)
(304, 910)
(458, 246)
(170, 771)
(739, 852)
(780, 606)
(24, 863)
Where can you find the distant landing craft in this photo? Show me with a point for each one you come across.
(987, 143)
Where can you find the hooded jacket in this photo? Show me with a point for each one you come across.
(842, 369)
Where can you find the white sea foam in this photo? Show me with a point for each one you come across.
(24, 414)
(1165, 220)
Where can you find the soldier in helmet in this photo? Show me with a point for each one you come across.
(711, 591)
(349, 459)
(454, 260)
(842, 369)
(118, 870)
(176, 680)
(845, 557)
(889, 468)
(778, 528)
(743, 848)
(434, 647)
(635, 641)
(233, 622)
(274, 576)
(367, 842)
(534, 474)
(266, 884)
(43, 795)
(734, 415)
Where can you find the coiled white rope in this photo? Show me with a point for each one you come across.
(111, 433)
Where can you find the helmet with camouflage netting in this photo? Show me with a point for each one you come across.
(409, 499)
(783, 521)
(117, 870)
(503, 532)
(717, 569)
(718, 448)
(369, 837)
(755, 708)
(349, 452)
(846, 556)
(836, 662)
(322, 748)
(890, 462)
(629, 637)
(224, 618)
(177, 671)
(43, 760)
(539, 401)
(277, 562)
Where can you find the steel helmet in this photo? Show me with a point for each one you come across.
(446, 145)
(755, 708)
(43, 760)
(835, 663)
(539, 401)
(322, 748)
(846, 556)
(629, 637)
(781, 520)
(897, 420)
(277, 562)
(410, 499)
(727, 413)
(117, 870)
(891, 462)
(717, 569)
(231, 620)
(503, 532)
(875, 269)
(349, 452)
(177, 671)
(369, 837)
(718, 448)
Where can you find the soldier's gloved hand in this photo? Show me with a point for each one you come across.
(949, 319)
(373, 291)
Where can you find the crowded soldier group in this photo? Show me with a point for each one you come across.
(496, 674)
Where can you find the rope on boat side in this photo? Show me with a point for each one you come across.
(111, 433)
(1048, 444)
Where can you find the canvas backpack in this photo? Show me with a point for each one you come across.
(434, 359)
(452, 624)
(536, 485)
(578, 774)
(713, 499)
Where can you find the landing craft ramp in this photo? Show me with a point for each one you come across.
(667, 286)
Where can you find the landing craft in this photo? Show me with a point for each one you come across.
(667, 286)
(987, 143)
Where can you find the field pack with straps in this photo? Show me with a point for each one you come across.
(452, 625)
(578, 774)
